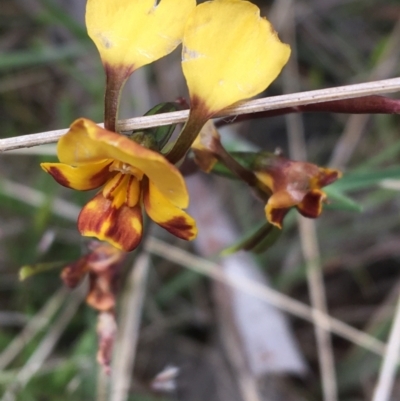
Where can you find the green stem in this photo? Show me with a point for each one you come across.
(243, 173)
(193, 126)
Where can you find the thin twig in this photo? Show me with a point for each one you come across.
(387, 373)
(310, 249)
(308, 230)
(252, 106)
(42, 150)
(128, 333)
(268, 294)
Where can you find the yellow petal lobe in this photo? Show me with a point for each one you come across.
(230, 53)
(77, 147)
(136, 32)
(279, 204)
(165, 214)
(81, 178)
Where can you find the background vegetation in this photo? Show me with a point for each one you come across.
(50, 74)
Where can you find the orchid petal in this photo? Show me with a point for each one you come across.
(86, 143)
(81, 178)
(311, 205)
(279, 204)
(133, 33)
(229, 54)
(164, 213)
(275, 216)
(121, 227)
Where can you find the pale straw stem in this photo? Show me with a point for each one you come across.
(251, 106)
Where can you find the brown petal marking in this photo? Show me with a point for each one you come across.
(123, 233)
(276, 216)
(311, 205)
(58, 176)
(120, 223)
(328, 176)
(100, 176)
(200, 107)
(111, 185)
(179, 227)
(96, 180)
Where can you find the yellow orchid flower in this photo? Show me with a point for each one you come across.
(132, 176)
(229, 54)
(290, 183)
(130, 34)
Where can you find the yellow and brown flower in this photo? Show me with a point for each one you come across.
(292, 184)
(132, 176)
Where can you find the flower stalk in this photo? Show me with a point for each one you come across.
(115, 81)
(187, 136)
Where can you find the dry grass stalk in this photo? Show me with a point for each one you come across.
(388, 370)
(129, 325)
(270, 295)
(307, 228)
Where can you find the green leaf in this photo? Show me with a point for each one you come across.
(364, 179)
(31, 270)
(160, 135)
(246, 159)
(222, 170)
(339, 201)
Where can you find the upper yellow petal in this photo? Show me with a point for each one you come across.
(230, 53)
(136, 32)
(77, 148)
(86, 142)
